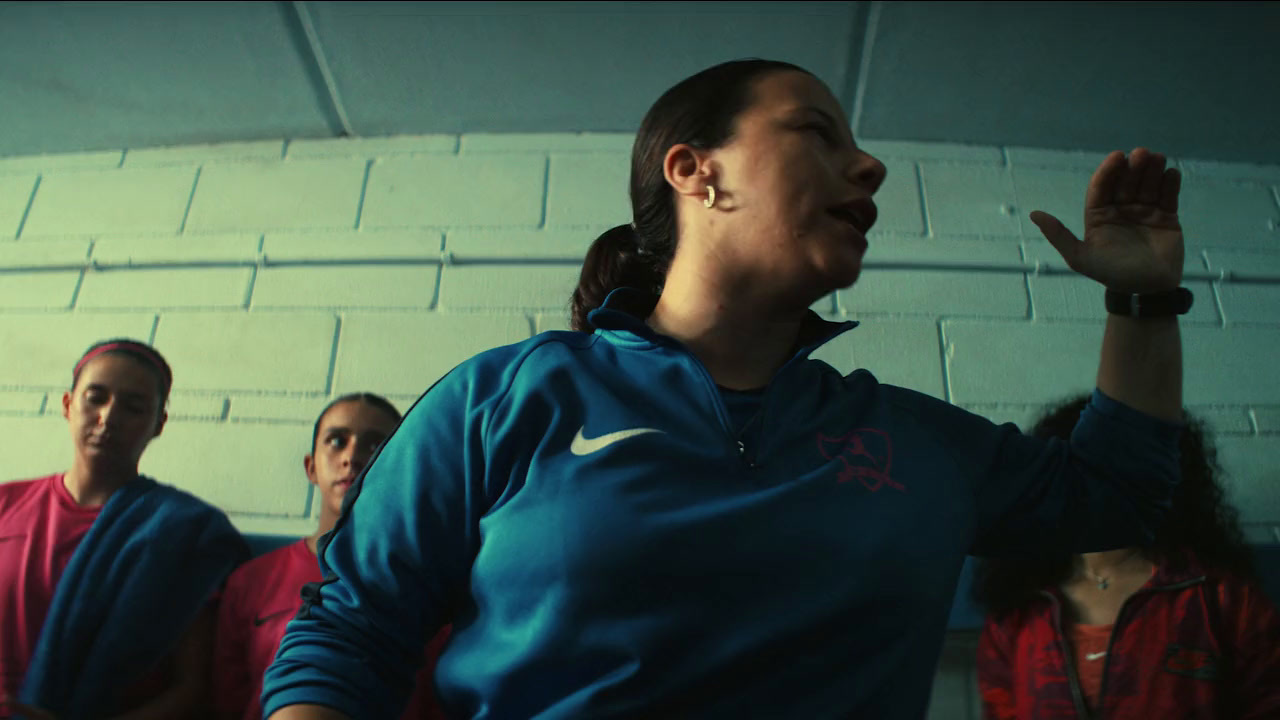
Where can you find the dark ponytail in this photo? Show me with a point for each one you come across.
(700, 111)
(614, 260)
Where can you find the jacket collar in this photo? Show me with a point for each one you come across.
(625, 309)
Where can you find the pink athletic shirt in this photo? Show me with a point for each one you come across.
(260, 599)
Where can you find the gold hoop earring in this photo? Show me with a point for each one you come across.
(710, 202)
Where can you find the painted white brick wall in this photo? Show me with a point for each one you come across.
(276, 275)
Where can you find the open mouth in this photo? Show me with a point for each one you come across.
(860, 214)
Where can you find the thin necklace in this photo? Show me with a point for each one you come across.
(1105, 582)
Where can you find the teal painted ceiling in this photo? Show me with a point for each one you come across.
(1194, 79)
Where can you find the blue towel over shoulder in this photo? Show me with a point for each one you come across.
(148, 565)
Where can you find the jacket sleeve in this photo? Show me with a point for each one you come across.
(400, 551)
(995, 673)
(1105, 488)
(1256, 656)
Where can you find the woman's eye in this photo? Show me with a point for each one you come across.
(822, 131)
(335, 442)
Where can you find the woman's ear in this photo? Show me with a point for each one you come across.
(688, 170)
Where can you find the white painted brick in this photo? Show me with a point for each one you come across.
(487, 287)
(1041, 362)
(1038, 250)
(936, 293)
(351, 286)
(199, 154)
(23, 402)
(1075, 297)
(1020, 362)
(142, 200)
(1257, 262)
(1231, 366)
(43, 253)
(262, 525)
(589, 190)
(188, 406)
(238, 468)
(1260, 533)
(898, 352)
(237, 248)
(939, 152)
(372, 147)
(272, 408)
(38, 290)
(520, 244)
(277, 195)
(1249, 302)
(898, 201)
(546, 322)
(40, 349)
(1252, 476)
(354, 245)
(1223, 420)
(238, 351)
(1237, 172)
(374, 347)
(1024, 416)
(45, 444)
(969, 200)
(15, 195)
(1059, 192)
(1268, 417)
(949, 699)
(477, 190)
(947, 252)
(165, 288)
(547, 142)
(1232, 215)
(1087, 161)
(66, 161)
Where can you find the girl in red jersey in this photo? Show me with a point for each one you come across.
(1177, 628)
(97, 618)
(264, 594)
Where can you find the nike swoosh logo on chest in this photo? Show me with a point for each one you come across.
(583, 445)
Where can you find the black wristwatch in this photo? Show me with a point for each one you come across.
(1173, 302)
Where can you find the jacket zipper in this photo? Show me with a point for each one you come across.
(1102, 689)
(1073, 678)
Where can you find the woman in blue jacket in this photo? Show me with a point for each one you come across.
(675, 512)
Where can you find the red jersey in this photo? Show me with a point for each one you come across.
(1185, 645)
(260, 599)
(40, 528)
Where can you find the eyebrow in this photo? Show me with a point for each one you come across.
(123, 393)
(820, 112)
(340, 430)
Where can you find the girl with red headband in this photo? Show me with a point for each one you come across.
(98, 616)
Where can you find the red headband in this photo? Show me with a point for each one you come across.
(146, 352)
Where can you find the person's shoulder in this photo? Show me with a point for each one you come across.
(493, 371)
(14, 491)
(267, 565)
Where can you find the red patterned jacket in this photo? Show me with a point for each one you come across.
(1186, 645)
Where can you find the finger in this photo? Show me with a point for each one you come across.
(1170, 185)
(1127, 190)
(1152, 178)
(1102, 186)
(1062, 239)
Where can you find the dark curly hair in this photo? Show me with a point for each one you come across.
(1200, 524)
